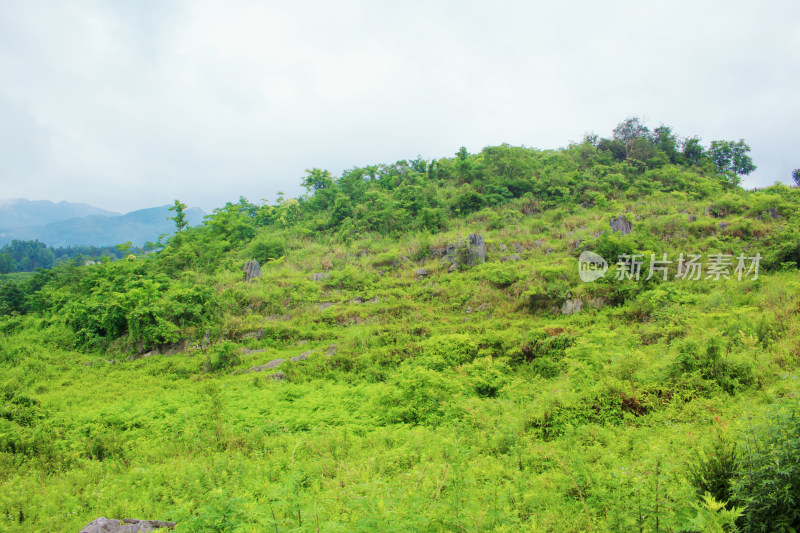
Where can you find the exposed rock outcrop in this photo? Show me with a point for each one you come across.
(468, 252)
(621, 224)
(252, 270)
(571, 306)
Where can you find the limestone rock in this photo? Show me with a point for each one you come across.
(252, 270)
(247, 351)
(571, 306)
(302, 357)
(266, 366)
(258, 334)
(319, 276)
(126, 525)
(277, 376)
(518, 247)
(468, 252)
(421, 272)
(621, 224)
(332, 349)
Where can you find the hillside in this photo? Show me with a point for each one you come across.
(19, 212)
(421, 354)
(139, 227)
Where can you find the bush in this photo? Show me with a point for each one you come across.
(768, 481)
(713, 470)
(222, 356)
(445, 351)
(487, 376)
(712, 365)
(419, 396)
(267, 248)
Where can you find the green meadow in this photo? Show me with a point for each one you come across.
(449, 399)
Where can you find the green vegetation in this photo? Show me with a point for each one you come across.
(423, 401)
(28, 256)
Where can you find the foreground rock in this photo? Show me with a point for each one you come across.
(252, 270)
(126, 525)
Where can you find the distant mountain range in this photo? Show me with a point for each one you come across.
(69, 224)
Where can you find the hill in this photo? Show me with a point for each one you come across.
(19, 212)
(422, 352)
(139, 227)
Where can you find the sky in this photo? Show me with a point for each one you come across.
(129, 104)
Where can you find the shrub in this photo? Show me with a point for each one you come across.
(222, 356)
(768, 481)
(487, 376)
(502, 276)
(419, 395)
(447, 351)
(267, 248)
(713, 469)
(710, 364)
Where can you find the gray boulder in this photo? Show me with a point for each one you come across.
(468, 252)
(319, 276)
(421, 272)
(251, 270)
(247, 351)
(126, 525)
(621, 224)
(278, 376)
(571, 306)
(302, 357)
(266, 366)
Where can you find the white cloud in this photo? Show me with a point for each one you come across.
(131, 104)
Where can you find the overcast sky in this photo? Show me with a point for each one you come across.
(129, 104)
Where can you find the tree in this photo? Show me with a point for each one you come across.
(796, 176)
(317, 180)
(7, 264)
(693, 152)
(628, 131)
(180, 216)
(729, 156)
(667, 142)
